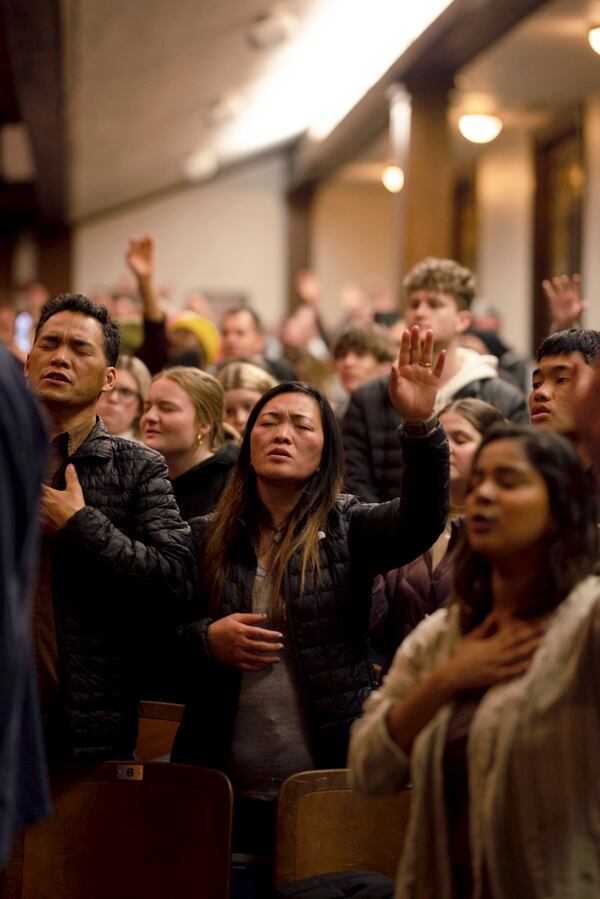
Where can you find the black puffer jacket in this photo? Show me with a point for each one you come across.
(373, 454)
(121, 564)
(328, 622)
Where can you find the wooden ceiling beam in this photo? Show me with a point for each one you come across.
(34, 42)
(465, 29)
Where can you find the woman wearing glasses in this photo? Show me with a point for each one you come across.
(120, 410)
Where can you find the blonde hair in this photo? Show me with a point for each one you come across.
(245, 376)
(206, 395)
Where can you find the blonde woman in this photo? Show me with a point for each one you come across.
(183, 420)
(244, 384)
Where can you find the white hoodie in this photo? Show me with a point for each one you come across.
(474, 367)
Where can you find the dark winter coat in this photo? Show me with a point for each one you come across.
(373, 454)
(406, 595)
(23, 444)
(198, 490)
(120, 565)
(327, 622)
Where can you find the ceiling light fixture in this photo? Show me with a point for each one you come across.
(271, 28)
(223, 109)
(392, 178)
(200, 165)
(480, 129)
(594, 38)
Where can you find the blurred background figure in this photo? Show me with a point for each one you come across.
(183, 420)
(360, 354)
(243, 385)
(7, 330)
(193, 340)
(512, 366)
(243, 337)
(197, 301)
(121, 408)
(35, 295)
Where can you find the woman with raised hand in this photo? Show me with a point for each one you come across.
(491, 706)
(278, 655)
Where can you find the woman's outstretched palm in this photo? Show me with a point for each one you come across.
(415, 379)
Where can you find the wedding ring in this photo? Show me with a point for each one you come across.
(425, 364)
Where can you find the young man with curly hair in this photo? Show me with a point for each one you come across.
(438, 295)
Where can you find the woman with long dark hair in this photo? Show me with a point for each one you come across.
(279, 654)
(491, 705)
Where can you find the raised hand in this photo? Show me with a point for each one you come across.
(140, 256)
(57, 506)
(239, 641)
(415, 378)
(564, 301)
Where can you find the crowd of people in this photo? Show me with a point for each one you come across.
(368, 541)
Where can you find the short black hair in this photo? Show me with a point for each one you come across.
(576, 340)
(235, 310)
(76, 302)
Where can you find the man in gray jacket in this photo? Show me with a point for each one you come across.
(116, 558)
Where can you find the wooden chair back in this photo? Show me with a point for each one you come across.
(158, 723)
(323, 825)
(128, 831)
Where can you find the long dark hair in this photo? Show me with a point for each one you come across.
(240, 502)
(573, 544)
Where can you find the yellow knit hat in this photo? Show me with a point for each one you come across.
(204, 331)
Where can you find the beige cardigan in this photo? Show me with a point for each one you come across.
(534, 763)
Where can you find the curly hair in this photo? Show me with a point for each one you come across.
(364, 340)
(443, 276)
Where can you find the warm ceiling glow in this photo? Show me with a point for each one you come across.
(392, 178)
(480, 129)
(594, 38)
(299, 89)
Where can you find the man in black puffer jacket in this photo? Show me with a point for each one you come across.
(439, 293)
(116, 558)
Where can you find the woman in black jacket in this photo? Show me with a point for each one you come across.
(183, 420)
(279, 657)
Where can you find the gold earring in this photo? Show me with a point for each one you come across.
(199, 439)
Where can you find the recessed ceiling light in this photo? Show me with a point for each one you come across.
(223, 109)
(271, 28)
(200, 165)
(594, 38)
(392, 178)
(480, 129)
